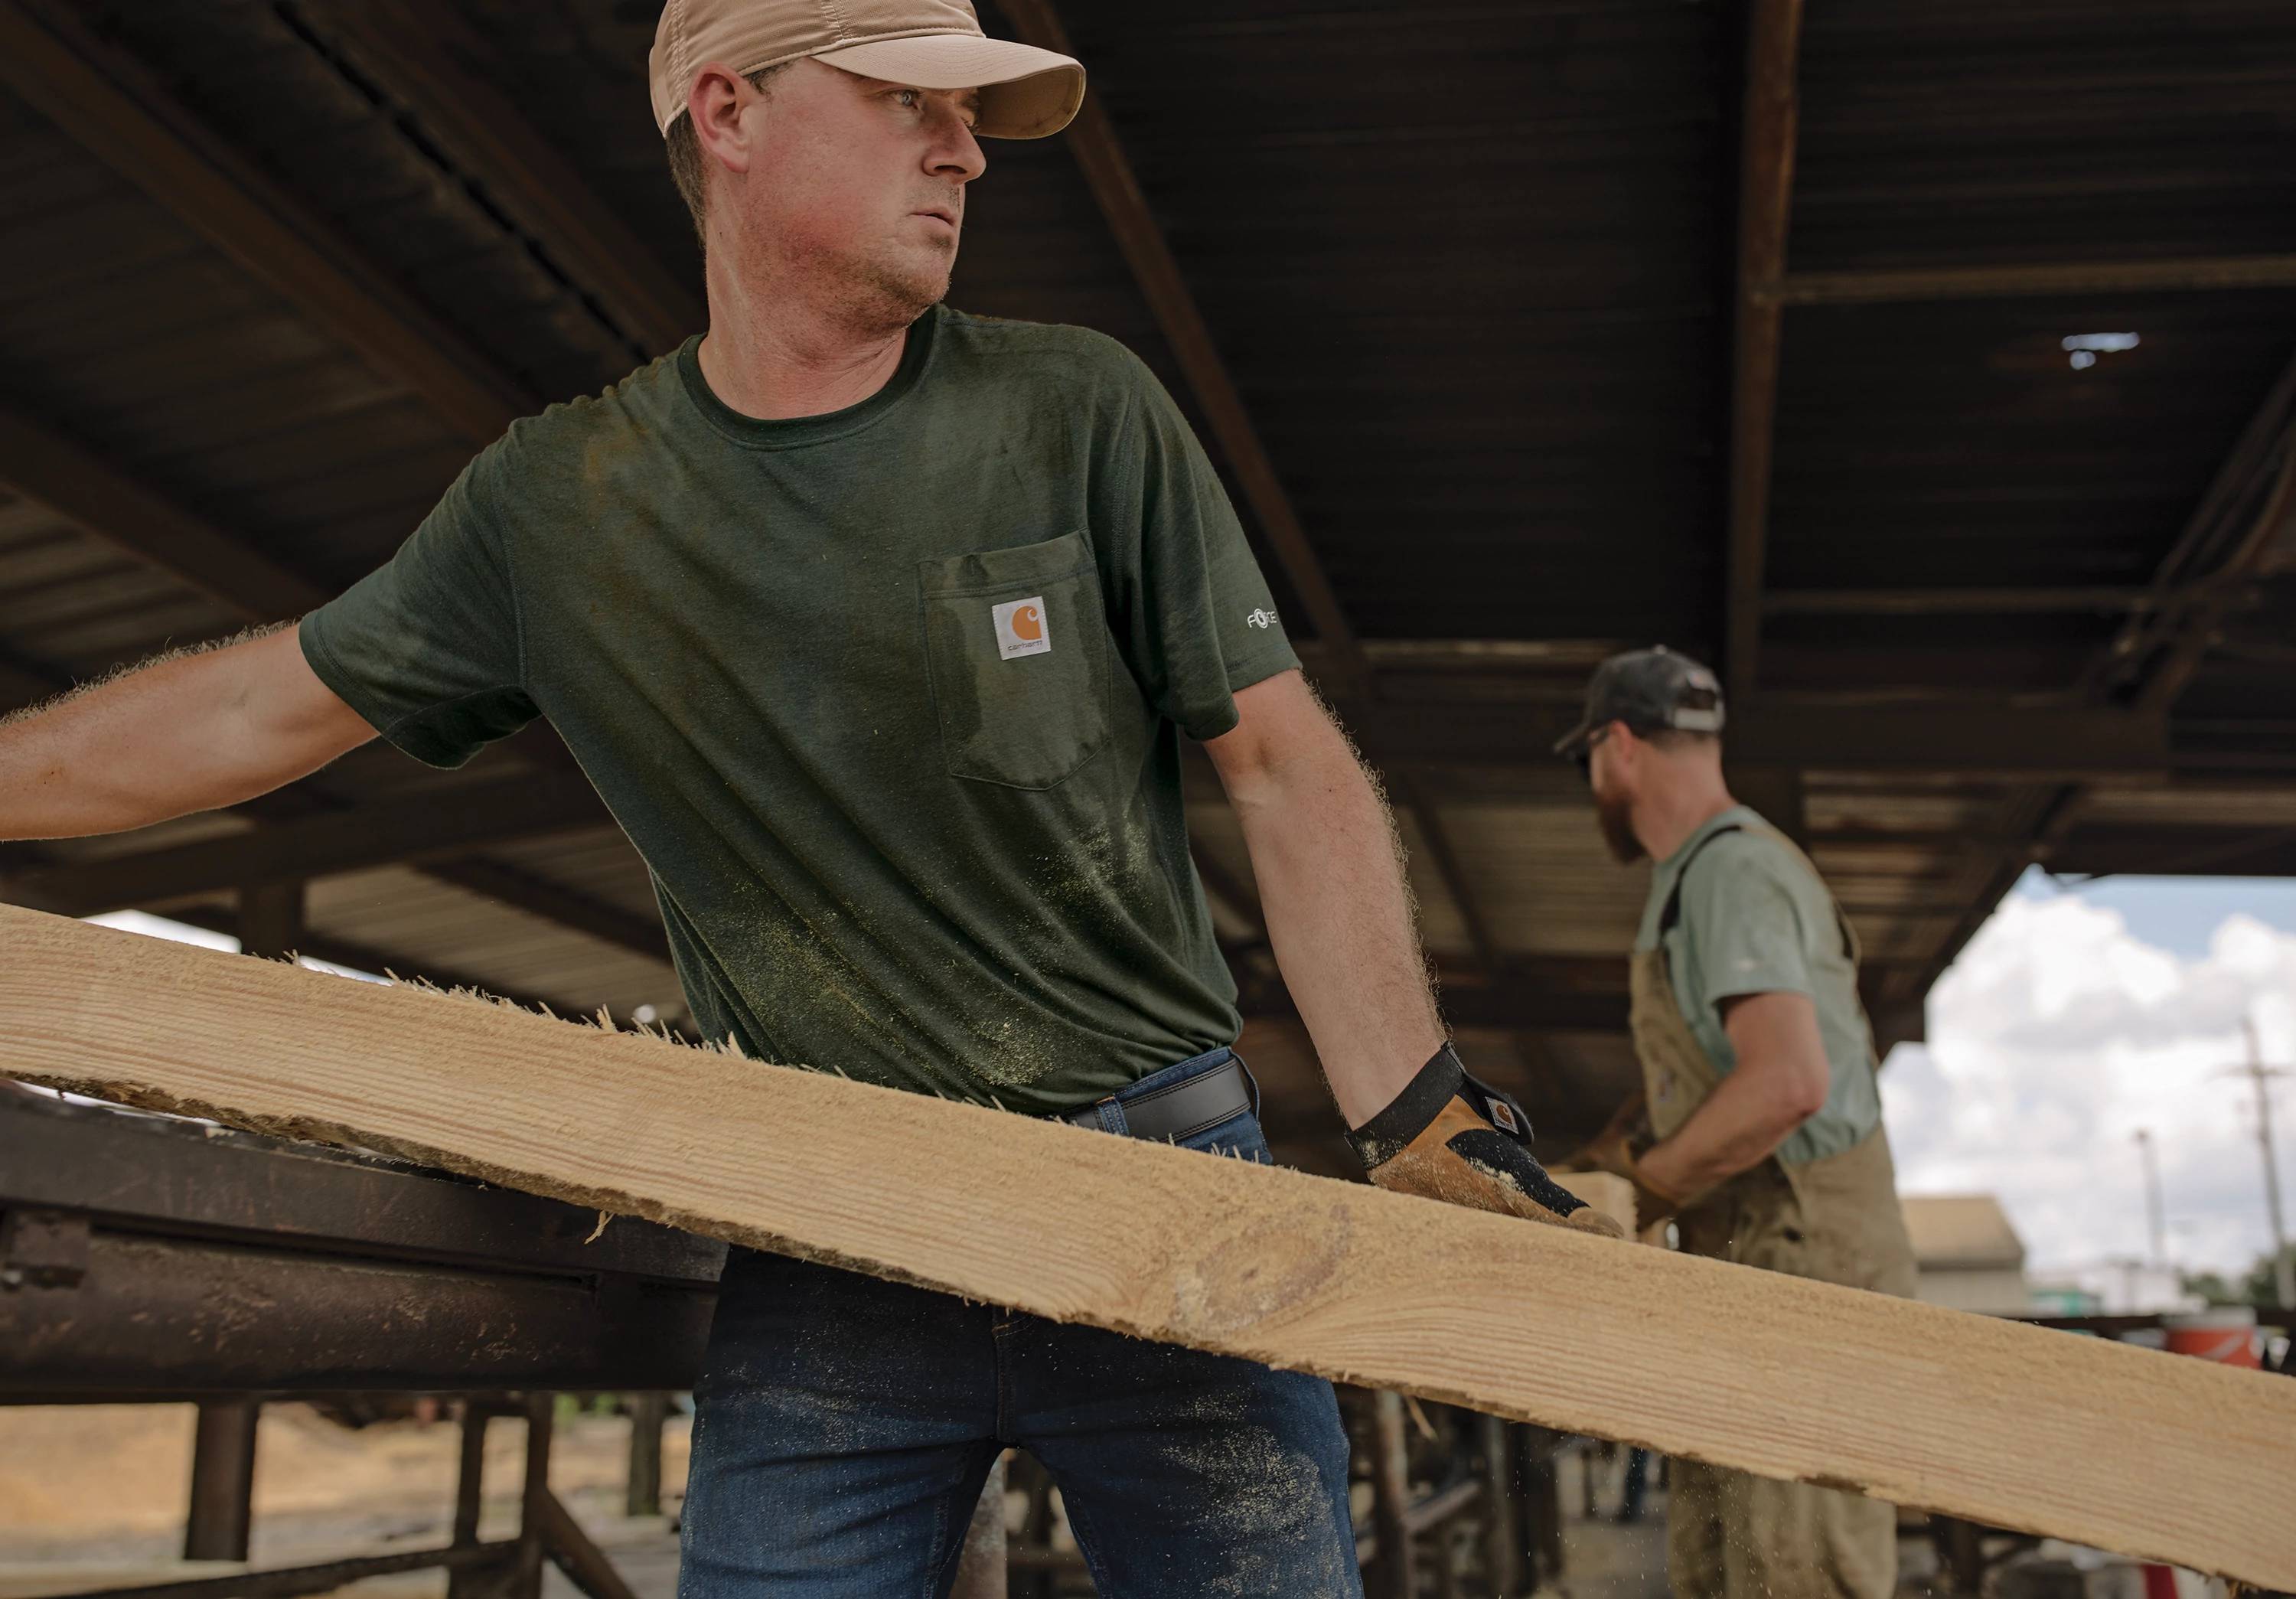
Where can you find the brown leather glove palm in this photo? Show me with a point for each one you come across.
(1449, 1137)
(1616, 1148)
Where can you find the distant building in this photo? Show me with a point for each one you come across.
(1970, 1258)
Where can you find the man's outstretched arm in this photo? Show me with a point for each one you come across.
(1340, 914)
(187, 733)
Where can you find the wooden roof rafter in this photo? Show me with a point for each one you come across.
(1769, 113)
(117, 109)
(2155, 654)
(425, 56)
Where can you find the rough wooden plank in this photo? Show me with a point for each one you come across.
(2152, 1454)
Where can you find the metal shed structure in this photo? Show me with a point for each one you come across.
(1924, 363)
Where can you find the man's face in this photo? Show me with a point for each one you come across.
(1610, 773)
(860, 183)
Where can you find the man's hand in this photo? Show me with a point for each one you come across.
(1445, 1137)
(1617, 1150)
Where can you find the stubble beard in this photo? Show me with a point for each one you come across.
(887, 295)
(874, 293)
(1615, 815)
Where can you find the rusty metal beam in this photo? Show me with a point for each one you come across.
(2023, 601)
(122, 114)
(2042, 279)
(425, 56)
(1769, 113)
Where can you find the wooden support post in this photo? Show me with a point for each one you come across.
(223, 1481)
(2176, 1461)
(271, 919)
(1395, 1576)
(470, 1487)
(1768, 116)
(647, 1411)
(534, 1502)
(1500, 1560)
(570, 1550)
(1541, 1500)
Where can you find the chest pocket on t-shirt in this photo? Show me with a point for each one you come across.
(1017, 645)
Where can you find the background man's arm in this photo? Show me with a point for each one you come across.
(1781, 1080)
(1332, 888)
(187, 733)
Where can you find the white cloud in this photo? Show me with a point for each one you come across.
(2056, 1037)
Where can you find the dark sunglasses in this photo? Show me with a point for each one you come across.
(1585, 756)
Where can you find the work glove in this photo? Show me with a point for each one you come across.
(1449, 1137)
(1617, 1149)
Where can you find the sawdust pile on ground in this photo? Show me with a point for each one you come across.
(78, 1476)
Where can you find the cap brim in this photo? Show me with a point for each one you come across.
(1574, 743)
(1025, 92)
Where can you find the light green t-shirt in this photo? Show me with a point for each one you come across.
(1756, 920)
(889, 699)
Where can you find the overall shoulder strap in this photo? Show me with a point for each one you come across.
(1849, 951)
(1670, 917)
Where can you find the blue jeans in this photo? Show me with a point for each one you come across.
(843, 1427)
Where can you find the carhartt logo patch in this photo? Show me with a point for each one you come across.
(1503, 1115)
(1021, 629)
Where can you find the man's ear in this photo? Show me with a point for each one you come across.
(716, 103)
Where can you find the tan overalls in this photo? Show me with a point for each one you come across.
(1729, 1535)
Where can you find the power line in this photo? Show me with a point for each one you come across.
(2284, 1265)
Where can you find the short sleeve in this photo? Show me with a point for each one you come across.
(427, 648)
(1192, 610)
(1741, 914)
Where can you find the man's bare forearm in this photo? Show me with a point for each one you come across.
(1737, 1128)
(1781, 1081)
(1341, 916)
(187, 733)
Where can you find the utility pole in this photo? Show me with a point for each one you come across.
(2258, 1073)
(2155, 1219)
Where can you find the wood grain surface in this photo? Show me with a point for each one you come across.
(2150, 1454)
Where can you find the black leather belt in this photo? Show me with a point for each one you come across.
(1182, 1110)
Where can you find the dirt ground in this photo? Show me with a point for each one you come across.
(93, 1494)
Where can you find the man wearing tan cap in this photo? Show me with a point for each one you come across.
(878, 627)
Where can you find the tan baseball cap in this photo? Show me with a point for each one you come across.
(1025, 92)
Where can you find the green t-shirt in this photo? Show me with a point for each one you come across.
(889, 699)
(1756, 920)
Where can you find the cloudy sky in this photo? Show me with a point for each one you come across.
(2076, 1017)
